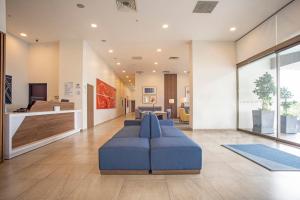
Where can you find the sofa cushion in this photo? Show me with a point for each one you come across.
(175, 153)
(125, 154)
(144, 131)
(166, 122)
(171, 131)
(128, 131)
(155, 126)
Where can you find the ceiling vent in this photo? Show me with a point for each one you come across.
(173, 58)
(126, 5)
(139, 72)
(205, 6)
(137, 58)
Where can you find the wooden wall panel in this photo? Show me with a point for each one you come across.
(38, 127)
(2, 85)
(90, 106)
(170, 85)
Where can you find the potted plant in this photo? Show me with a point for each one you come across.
(263, 118)
(288, 122)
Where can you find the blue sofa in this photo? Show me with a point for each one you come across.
(150, 145)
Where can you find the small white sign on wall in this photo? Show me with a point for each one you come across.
(68, 89)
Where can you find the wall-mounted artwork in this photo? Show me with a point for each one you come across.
(105, 95)
(149, 95)
(8, 89)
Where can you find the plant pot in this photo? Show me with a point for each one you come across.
(288, 124)
(263, 121)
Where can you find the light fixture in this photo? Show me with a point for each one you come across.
(156, 63)
(118, 63)
(110, 51)
(23, 34)
(185, 71)
(94, 25)
(123, 71)
(127, 76)
(154, 71)
(232, 29)
(165, 26)
(158, 50)
(129, 80)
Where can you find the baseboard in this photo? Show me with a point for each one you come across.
(124, 172)
(175, 172)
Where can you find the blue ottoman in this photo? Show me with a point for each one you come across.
(175, 155)
(125, 156)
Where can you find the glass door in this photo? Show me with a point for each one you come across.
(257, 83)
(289, 103)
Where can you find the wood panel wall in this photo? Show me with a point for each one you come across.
(170, 85)
(2, 88)
(38, 127)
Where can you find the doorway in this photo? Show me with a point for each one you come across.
(90, 106)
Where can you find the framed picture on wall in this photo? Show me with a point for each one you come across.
(149, 90)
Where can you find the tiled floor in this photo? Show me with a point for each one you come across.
(68, 169)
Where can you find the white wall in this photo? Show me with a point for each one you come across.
(70, 68)
(17, 64)
(214, 85)
(277, 29)
(2, 16)
(149, 79)
(95, 68)
(44, 65)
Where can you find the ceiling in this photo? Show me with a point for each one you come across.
(137, 33)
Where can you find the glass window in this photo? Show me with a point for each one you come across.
(289, 65)
(257, 96)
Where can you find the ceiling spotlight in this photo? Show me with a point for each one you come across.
(123, 71)
(185, 71)
(232, 29)
(154, 71)
(94, 25)
(158, 50)
(129, 80)
(118, 63)
(110, 51)
(165, 26)
(23, 34)
(127, 76)
(156, 63)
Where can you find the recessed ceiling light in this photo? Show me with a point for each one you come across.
(154, 71)
(165, 26)
(127, 76)
(123, 71)
(232, 29)
(129, 80)
(110, 51)
(23, 34)
(156, 63)
(158, 50)
(185, 71)
(118, 63)
(94, 25)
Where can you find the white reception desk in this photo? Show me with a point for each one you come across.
(30, 130)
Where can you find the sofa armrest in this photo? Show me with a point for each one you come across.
(167, 122)
(132, 122)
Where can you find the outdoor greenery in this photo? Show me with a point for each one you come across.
(265, 89)
(286, 104)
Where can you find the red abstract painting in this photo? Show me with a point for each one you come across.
(105, 95)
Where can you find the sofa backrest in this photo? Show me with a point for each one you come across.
(145, 127)
(155, 126)
(149, 108)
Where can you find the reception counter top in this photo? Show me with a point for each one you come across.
(30, 130)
